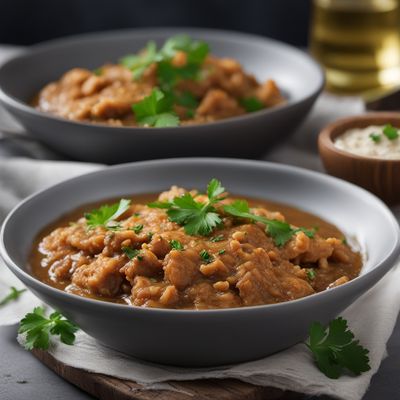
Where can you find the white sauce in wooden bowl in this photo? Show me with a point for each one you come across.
(373, 141)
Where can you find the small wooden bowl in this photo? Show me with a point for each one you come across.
(379, 176)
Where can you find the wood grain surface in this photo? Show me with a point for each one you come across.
(105, 387)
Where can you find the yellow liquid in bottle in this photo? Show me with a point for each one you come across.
(357, 42)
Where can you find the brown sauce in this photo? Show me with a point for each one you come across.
(245, 267)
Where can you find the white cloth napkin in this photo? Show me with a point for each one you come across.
(372, 318)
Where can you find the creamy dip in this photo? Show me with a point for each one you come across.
(360, 141)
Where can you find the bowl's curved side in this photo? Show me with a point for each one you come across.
(209, 337)
(295, 72)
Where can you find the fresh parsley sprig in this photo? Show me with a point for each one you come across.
(390, 132)
(196, 218)
(280, 231)
(155, 110)
(13, 295)
(38, 329)
(335, 350)
(106, 215)
(251, 104)
(196, 51)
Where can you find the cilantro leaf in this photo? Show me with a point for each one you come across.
(155, 110)
(196, 50)
(176, 245)
(137, 228)
(214, 189)
(130, 252)
(311, 273)
(38, 329)
(138, 63)
(217, 238)
(206, 256)
(390, 132)
(251, 104)
(375, 137)
(280, 231)
(196, 218)
(13, 295)
(106, 215)
(334, 349)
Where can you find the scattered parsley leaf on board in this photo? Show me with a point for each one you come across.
(390, 132)
(38, 329)
(13, 295)
(155, 110)
(176, 245)
(106, 215)
(280, 231)
(251, 104)
(335, 350)
(196, 218)
(375, 137)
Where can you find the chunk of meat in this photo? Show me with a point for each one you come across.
(182, 267)
(260, 283)
(145, 264)
(100, 277)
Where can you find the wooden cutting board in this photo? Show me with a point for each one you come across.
(105, 387)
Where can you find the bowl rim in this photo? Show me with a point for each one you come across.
(49, 45)
(387, 261)
(338, 127)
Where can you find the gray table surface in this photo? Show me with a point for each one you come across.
(23, 377)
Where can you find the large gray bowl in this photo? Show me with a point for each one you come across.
(209, 337)
(251, 135)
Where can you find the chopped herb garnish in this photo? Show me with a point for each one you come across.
(390, 132)
(311, 274)
(14, 294)
(150, 235)
(136, 214)
(155, 110)
(138, 63)
(139, 257)
(223, 251)
(280, 231)
(217, 238)
(106, 215)
(130, 253)
(197, 218)
(344, 241)
(201, 218)
(375, 137)
(251, 104)
(335, 350)
(98, 71)
(168, 74)
(137, 228)
(38, 329)
(206, 256)
(176, 245)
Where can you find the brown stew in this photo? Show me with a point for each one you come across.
(167, 268)
(207, 90)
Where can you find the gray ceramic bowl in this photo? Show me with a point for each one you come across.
(251, 135)
(207, 337)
